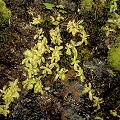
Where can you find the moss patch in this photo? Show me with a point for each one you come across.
(114, 55)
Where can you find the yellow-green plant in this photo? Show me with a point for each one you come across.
(56, 21)
(108, 30)
(8, 95)
(97, 102)
(44, 59)
(114, 113)
(113, 6)
(55, 36)
(98, 118)
(5, 13)
(61, 74)
(37, 20)
(80, 73)
(35, 83)
(113, 22)
(56, 53)
(46, 69)
(33, 60)
(88, 89)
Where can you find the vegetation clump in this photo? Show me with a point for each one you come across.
(5, 13)
(44, 58)
(9, 94)
(62, 47)
(114, 55)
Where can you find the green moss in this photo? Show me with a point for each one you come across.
(86, 5)
(5, 13)
(86, 54)
(114, 55)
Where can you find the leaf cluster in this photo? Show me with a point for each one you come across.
(96, 100)
(44, 59)
(50, 6)
(113, 22)
(8, 95)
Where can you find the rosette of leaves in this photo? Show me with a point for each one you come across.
(34, 58)
(80, 73)
(35, 83)
(56, 21)
(8, 95)
(46, 69)
(114, 113)
(56, 53)
(76, 28)
(88, 89)
(71, 50)
(112, 24)
(84, 36)
(55, 36)
(37, 20)
(108, 29)
(61, 74)
(97, 102)
(114, 21)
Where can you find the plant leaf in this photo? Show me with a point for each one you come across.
(62, 11)
(49, 6)
(60, 6)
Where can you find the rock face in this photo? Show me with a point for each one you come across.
(96, 66)
(60, 102)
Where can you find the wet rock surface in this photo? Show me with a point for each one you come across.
(59, 104)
